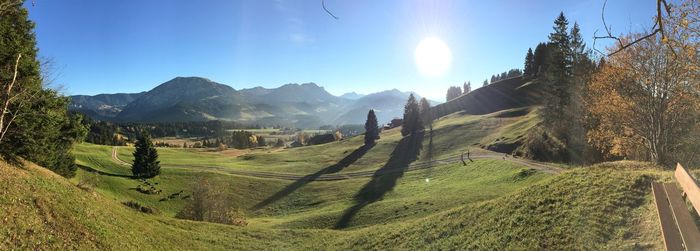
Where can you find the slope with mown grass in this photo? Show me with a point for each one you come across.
(41, 210)
(604, 207)
(451, 136)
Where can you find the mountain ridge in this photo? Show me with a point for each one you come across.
(200, 99)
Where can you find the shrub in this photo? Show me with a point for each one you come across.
(210, 204)
(139, 207)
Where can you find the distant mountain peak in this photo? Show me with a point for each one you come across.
(352, 95)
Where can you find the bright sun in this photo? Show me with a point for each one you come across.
(432, 56)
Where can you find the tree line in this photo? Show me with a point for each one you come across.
(455, 91)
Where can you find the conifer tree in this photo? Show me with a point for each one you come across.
(486, 82)
(34, 121)
(426, 116)
(529, 68)
(371, 128)
(411, 117)
(540, 59)
(558, 75)
(146, 164)
(467, 87)
(453, 92)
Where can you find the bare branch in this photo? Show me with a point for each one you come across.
(323, 3)
(8, 100)
(661, 6)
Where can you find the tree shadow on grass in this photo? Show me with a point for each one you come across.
(385, 178)
(90, 169)
(345, 162)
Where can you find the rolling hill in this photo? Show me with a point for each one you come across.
(505, 94)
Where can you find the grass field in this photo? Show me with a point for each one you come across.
(488, 204)
(452, 135)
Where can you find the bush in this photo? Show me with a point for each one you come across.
(210, 204)
(89, 181)
(541, 145)
(139, 207)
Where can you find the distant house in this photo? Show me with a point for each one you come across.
(393, 124)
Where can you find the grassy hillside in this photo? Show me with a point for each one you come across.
(488, 204)
(502, 95)
(604, 207)
(452, 135)
(41, 210)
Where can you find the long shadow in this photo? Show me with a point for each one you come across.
(384, 179)
(90, 169)
(345, 162)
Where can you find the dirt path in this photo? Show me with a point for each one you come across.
(115, 157)
(543, 167)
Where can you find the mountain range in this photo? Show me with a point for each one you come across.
(199, 99)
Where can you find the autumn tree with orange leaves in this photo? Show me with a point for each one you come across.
(643, 102)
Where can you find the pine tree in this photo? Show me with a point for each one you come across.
(529, 68)
(486, 82)
(371, 128)
(34, 122)
(146, 164)
(540, 59)
(467, 87)
(453, 92)
(493, 78)
(558, 74)
(426, 116)
(561, 41)
(578, 47)
(411, 117)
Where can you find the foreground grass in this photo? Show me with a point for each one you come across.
(604, 207)
(40, 210)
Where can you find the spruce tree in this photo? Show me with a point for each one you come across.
(453, 92)
(35, 123)
(146, 164)
(529, 68)
(371, 128)
(558, 74)
(540, 59)
(426, 116)
(411, 117)
(486, 82)
(467, 87)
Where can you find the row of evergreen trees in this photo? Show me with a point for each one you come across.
(563, 65)
(506, 75)
(454, 91)
(416, 115)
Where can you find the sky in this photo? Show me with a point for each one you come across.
(111, 46)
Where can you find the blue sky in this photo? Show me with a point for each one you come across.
(133, 45)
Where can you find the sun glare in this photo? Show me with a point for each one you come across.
(432, 56)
